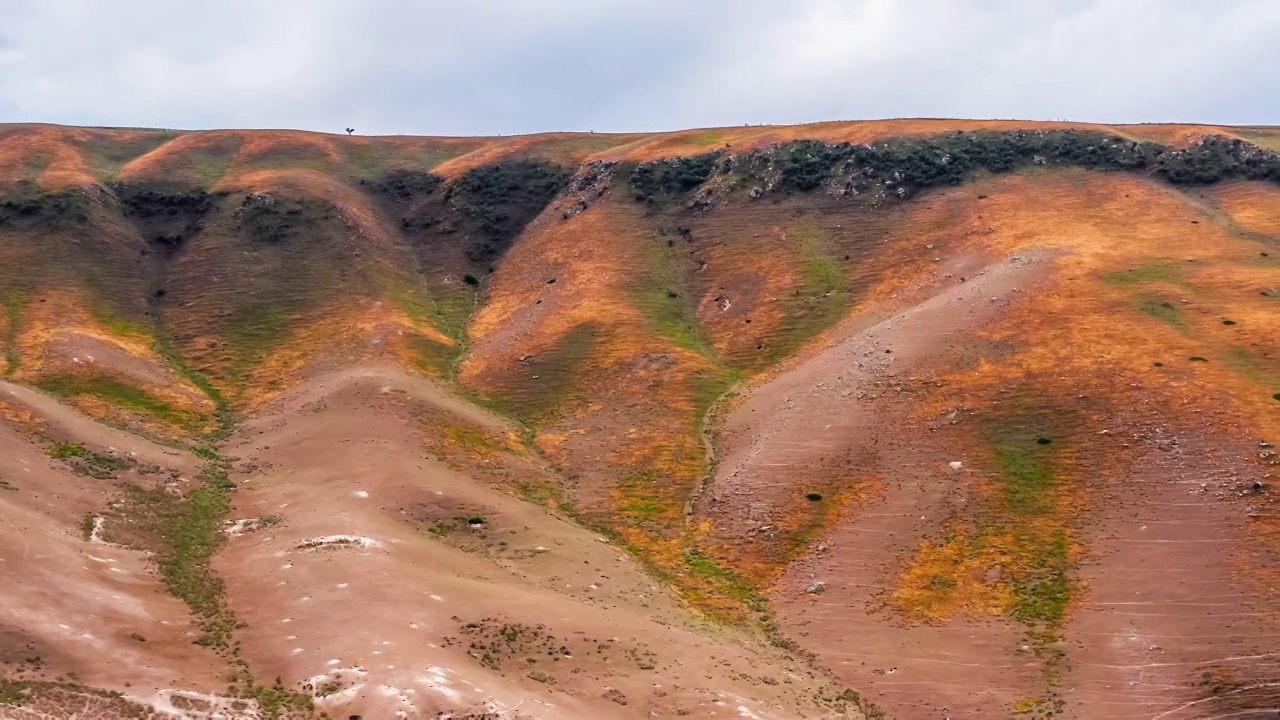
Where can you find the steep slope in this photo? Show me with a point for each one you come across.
(972, 416)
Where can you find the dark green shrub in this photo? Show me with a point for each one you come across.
(661, 179)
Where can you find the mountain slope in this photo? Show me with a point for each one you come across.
(974, 415)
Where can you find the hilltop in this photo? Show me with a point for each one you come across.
(909, 418)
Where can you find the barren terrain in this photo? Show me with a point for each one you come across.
(908, 419)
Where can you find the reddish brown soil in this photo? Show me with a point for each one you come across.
(71, 606)
(388, 610)
(1172, 628)
(840, 409)
(1132, 321)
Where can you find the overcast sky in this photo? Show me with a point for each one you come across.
(481, 67)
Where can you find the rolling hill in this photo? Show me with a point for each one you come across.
(907, 419)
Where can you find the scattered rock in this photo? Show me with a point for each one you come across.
(816, 588)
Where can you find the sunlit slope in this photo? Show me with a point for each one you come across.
(1064, 329)
(750, 356)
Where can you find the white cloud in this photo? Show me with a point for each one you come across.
(523, 66)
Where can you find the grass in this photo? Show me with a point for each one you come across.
(819, 302)
(1157, 272)
(88, 462)
(14, 300)
(226, 419)
(448, 309)
(253, 331)
(670, 316)
(535, 401)
(723, 580)
(121, 395)
(189, 532)
(108, 316)
(1250, 366)
(644, 494)
(645, 509)
(432, 357)
(1164, 311)
(1029, 480)
(661, 295)
(107, 155)
(67, 450)
(1021, 527)
(1044, 590)
(183, 534)
(13, 693)
(474, 440)
(544, 495)
(35, 165)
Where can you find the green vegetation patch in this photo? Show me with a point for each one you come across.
(84, 461)
(1164, 311)
(661, 295)
(14, 299)
(664, 180)
(26, 208)
(184, 533)
(1029, 480)
(431, 356)
(119, 394)
(821, 300)
(1030, 523)
(905, 166)
(1156, 272)
(275, 219)
(225, 417)
(253, 332)
(724, 580)
(546, 380)
(1043, 590)
(107, 154)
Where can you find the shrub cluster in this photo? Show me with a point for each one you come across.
(908, 165)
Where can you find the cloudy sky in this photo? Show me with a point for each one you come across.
(479, 67)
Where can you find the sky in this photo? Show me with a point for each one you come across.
(498, 67)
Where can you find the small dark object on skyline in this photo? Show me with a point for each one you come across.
(350, 130)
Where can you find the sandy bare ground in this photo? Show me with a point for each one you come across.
(803, 421)
(71, 606)
(352, 596)
(1172, 629)
(1171, 624)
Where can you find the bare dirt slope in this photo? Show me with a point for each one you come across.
(906, 418)
(412, 583)
(1037, 525)
(77, 609)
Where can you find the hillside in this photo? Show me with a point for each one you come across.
(911, 419)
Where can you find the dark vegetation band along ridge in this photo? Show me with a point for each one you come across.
(905, 166)
(489, 205)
